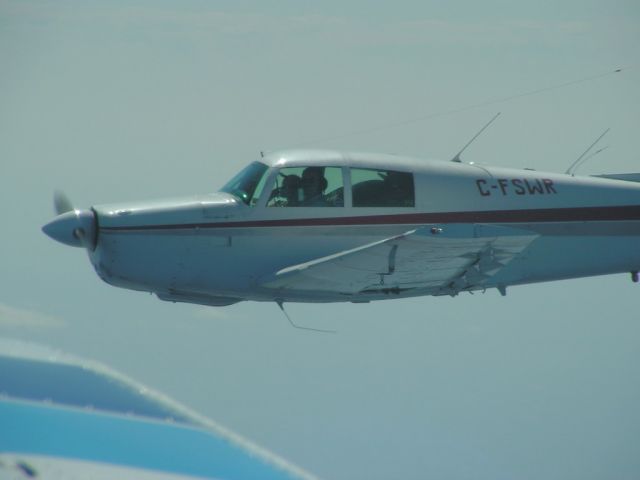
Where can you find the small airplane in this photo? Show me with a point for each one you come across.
(329, 226)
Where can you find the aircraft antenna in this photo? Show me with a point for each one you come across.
(588, 157)
(581, 159)
(457, 157)
(281, 305)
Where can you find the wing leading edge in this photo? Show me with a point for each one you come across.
(444, 259)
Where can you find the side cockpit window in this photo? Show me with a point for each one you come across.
(382, 188)
(307, 187)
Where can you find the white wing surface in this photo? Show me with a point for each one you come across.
(447, 259)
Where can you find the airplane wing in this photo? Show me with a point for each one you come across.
(446, 259)
(68, 418)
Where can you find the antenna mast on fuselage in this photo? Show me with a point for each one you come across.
(574, 166)
(457, 157)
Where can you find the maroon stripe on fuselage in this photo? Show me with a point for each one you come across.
(582, 214)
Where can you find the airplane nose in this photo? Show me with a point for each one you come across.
(76, 228)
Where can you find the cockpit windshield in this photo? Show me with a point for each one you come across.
(248, 184)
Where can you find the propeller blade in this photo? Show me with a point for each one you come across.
(61, 203)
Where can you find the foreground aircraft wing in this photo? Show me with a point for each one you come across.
(446, 259)
(65, 418)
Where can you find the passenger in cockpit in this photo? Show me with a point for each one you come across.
(313, 186)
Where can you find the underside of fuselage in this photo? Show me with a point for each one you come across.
(218, 268)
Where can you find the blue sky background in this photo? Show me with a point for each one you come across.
(131, 100)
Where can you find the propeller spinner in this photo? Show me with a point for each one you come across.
(76, 228)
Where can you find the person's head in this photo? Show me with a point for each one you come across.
(313, 182)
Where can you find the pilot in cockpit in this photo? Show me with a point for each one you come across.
(291, 190)
(313, 186)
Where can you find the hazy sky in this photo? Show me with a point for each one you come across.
(130, 100)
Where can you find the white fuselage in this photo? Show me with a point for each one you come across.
(215, 249)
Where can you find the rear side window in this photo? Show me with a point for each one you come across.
(382, 188)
